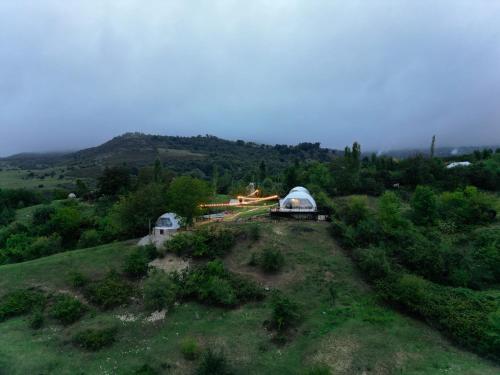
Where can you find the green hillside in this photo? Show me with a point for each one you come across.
(352, 333)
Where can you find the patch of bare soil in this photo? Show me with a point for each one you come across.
(170, 263)
(337, 353)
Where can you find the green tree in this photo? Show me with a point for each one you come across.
(81, 188)
(425, 206)
(185, 195)
(433, 144)
(114, 181)
(68, 222)
(262, 171)
(158, 171)
(133, 213)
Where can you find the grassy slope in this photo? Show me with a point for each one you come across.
(16, 179)
(355, 335)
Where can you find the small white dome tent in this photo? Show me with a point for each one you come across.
(298, 200)
(167, 222)
(165, 227)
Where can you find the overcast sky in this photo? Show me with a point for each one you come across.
(388, 74)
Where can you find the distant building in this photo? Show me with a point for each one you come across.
(456, 164)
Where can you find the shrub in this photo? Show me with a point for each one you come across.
(246, 290)
(44, 246)
(109, 292)
(285, 313)
(373, 262)
(94, 339)
(89, 238)
(146, 370)
(319, 370)
(36, 319)
(77, 279)
(137, 263)
(213, 363)
(42, 215)
(159, 291)
(150, 251)
(367, 232)
(254, 260)
(461, 314)
(213, 284)
(424, 206)
(355, 210)
(271, 260)
(190, 349)
(389, 214)
(253, 232)
(67, 309)
(206, 242)
(468, 206)
(20, 302)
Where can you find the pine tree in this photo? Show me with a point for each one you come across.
(433, 143)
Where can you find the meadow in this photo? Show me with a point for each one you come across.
(344, 326)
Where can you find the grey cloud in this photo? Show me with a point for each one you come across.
(388, 74)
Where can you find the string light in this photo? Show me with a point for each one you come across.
(242, 201)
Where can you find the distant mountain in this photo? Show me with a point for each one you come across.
(180, 154)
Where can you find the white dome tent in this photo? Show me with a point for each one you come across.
(298, 200)
(165, 227)
(167, 222)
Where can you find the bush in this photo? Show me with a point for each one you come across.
(206, 242)
(95, 339)
(89, 238)
(271, 260)
(190, 349)
(36, 319)
(137, 263)
(285, 313)
(246, 290)
(42, 215)
(20, 302)
(253, 232)
(213, 284)
(424, 206)
(159, 291)
(146, 370)
(109, 292)
(461, 314)
(319, 370)
(67, 309)
(77, 279)
(44, 246)
(373, 262)
(468, 206)
(213, 363)
(355, 210)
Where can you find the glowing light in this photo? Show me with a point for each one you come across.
(246, 201)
